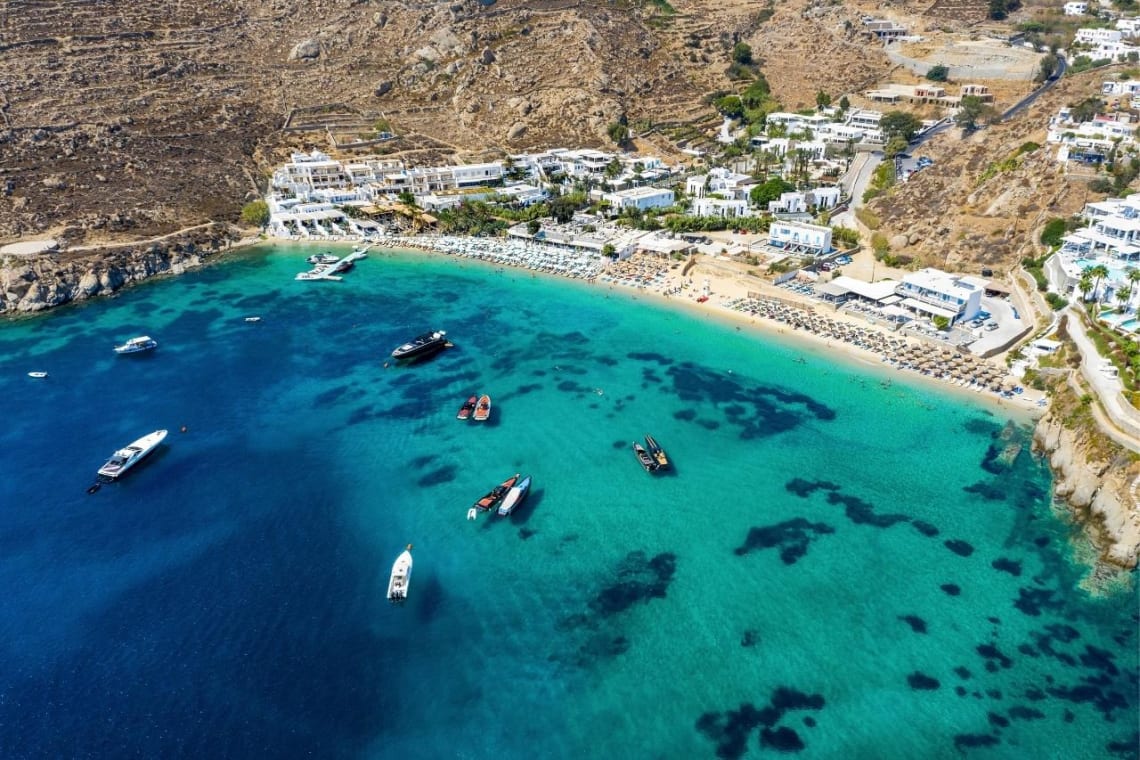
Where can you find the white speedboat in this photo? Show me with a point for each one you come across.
(322, 258)
(134, 345)
(401, 575)
(515, 496)
(253, 319)
(316, 274)
(37, 374)
(130, 455)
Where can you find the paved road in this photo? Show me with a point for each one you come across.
(855, 182)
(1027, 101)
(1106, 388)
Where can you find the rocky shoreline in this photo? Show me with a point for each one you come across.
(36, 283)
(1099, 480)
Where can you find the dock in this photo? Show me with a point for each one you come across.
(328, 271)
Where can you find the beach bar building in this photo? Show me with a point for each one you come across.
(640, 198)
(800, 238)
(934, 293)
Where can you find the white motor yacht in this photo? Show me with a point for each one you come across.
(401, 575)
(134, 345)
(130, 455)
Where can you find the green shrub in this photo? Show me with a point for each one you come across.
(255, 213)
(1056, 302)
(1053, 232)
(938, 73)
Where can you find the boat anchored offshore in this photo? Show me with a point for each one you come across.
(130, 455)
(135, 345)
(656, 452)
(422, 345)
(37, 374)
(648, 462)
(401, 576)
(515, 496)
(495, 495)
(482, 409)
(467, 408)
(322, 258)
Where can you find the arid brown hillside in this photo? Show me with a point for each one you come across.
(974, 208)
(124, 119)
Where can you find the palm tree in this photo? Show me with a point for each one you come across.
(1085, 285)
(1133, 278)
(1123, 295)
(1100, 271)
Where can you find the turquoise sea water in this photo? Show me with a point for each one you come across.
(838, 566)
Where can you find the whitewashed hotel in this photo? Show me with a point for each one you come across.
(800, 238)
(934, 293)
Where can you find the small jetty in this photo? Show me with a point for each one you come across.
(329, 271)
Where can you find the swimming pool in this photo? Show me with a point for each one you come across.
(1116, 272)
(1114, 317)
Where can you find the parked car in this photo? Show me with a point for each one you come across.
(991, 326)
(843, 260)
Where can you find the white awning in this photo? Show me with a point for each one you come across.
(831, 289)
(914, 303)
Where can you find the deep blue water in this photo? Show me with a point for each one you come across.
(838, 566)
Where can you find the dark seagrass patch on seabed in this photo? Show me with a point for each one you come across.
(922, 682)
(917, 624)
(1031, 601)
(637, 579)
(1005, 565)
(649, 356)
(730, 729)
(444, 474)
(791, 537)
(758, 410)
(959, 547)
(951, 589)
(857, 510)
(973, 741)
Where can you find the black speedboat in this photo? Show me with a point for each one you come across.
(426, 344)
(647, 461)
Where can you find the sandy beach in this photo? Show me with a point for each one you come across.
(727, 290)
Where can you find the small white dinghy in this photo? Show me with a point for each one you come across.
(253, 319)
(37, 374)
(401, 575)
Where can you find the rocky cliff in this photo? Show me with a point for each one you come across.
(1099, 479)
(29, 284)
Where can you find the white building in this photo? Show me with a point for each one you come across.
(726, 209)
(1076, 9)
(1129, 27)
(935, 293)
(305, 172)
(1112, 238)
(789, 203)
(1113, 51)
(718, 181)
(1128, 87)
(1088, 36)
(864, 118)
(800, 238)
(1091, 141)
(640, 198)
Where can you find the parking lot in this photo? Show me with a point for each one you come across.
(1004, 315)
(907, 164)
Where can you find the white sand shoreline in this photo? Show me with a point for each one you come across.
(728, 281)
